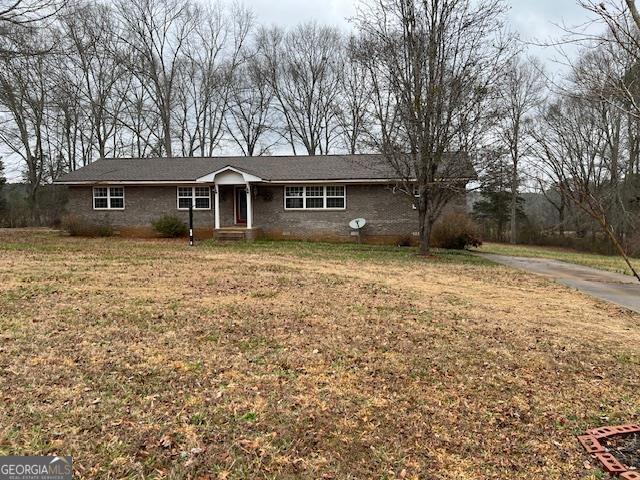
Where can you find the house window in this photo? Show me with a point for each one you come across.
(294, 197)
(199, 197)
(336, 196)
(316, 197)
(108, 198)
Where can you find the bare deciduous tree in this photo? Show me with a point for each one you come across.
(304, 67)
(250, 116)
(354, 100)
(140, 121)
(619, 45)
(156, 33)
(576, 149)
(24, 99)
(520, 93)
(211, 58)
(90, 39)
(440, 59)
(25, 14)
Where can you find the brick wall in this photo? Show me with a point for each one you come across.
(387, 214)
(143, 205)
(390, 216)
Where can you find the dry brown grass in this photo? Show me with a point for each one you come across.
(146, 359)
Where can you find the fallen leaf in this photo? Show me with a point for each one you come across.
(165, 441)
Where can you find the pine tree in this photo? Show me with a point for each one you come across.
(493, 210)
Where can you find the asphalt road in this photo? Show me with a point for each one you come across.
(623, 290)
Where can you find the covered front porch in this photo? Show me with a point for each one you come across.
(232, 206)
(233, 199)
(234, 212)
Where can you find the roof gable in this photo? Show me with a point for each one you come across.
(237, 176)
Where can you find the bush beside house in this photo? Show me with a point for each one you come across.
(456, 231)
(170, 226)
(77, 226)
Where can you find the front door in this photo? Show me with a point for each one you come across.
(241, 205)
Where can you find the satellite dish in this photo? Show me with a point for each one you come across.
(357, 223)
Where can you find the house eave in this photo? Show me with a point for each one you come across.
(251, 178)
(336, 180)
(126, 182)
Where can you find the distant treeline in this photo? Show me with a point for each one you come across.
(16, 209)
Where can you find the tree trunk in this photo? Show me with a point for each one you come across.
(425, 237)
(631, 4)
(425, 226)
(514, 204)
(167, 138)
(32, 199)
(561, 219)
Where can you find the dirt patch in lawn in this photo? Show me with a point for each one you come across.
(147, 359)
(625, 448)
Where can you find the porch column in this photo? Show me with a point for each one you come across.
(249, 207)
(216, 205)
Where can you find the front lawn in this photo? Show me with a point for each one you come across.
(149, 359)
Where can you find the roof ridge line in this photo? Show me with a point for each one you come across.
(241, 157)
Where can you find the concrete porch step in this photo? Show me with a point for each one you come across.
(230, 236)
(236, 233)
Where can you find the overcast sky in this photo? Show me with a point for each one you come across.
(534, 20)
(531, 18)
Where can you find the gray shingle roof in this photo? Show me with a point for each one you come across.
(274, 169)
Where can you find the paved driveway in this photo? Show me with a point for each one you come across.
(622, 290)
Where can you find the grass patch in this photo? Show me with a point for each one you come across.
(344, 251)
(602, 262)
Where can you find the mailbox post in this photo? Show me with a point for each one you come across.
(191, 225)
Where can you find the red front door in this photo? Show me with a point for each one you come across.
(241, 205)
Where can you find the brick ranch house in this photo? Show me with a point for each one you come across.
(279, 197)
